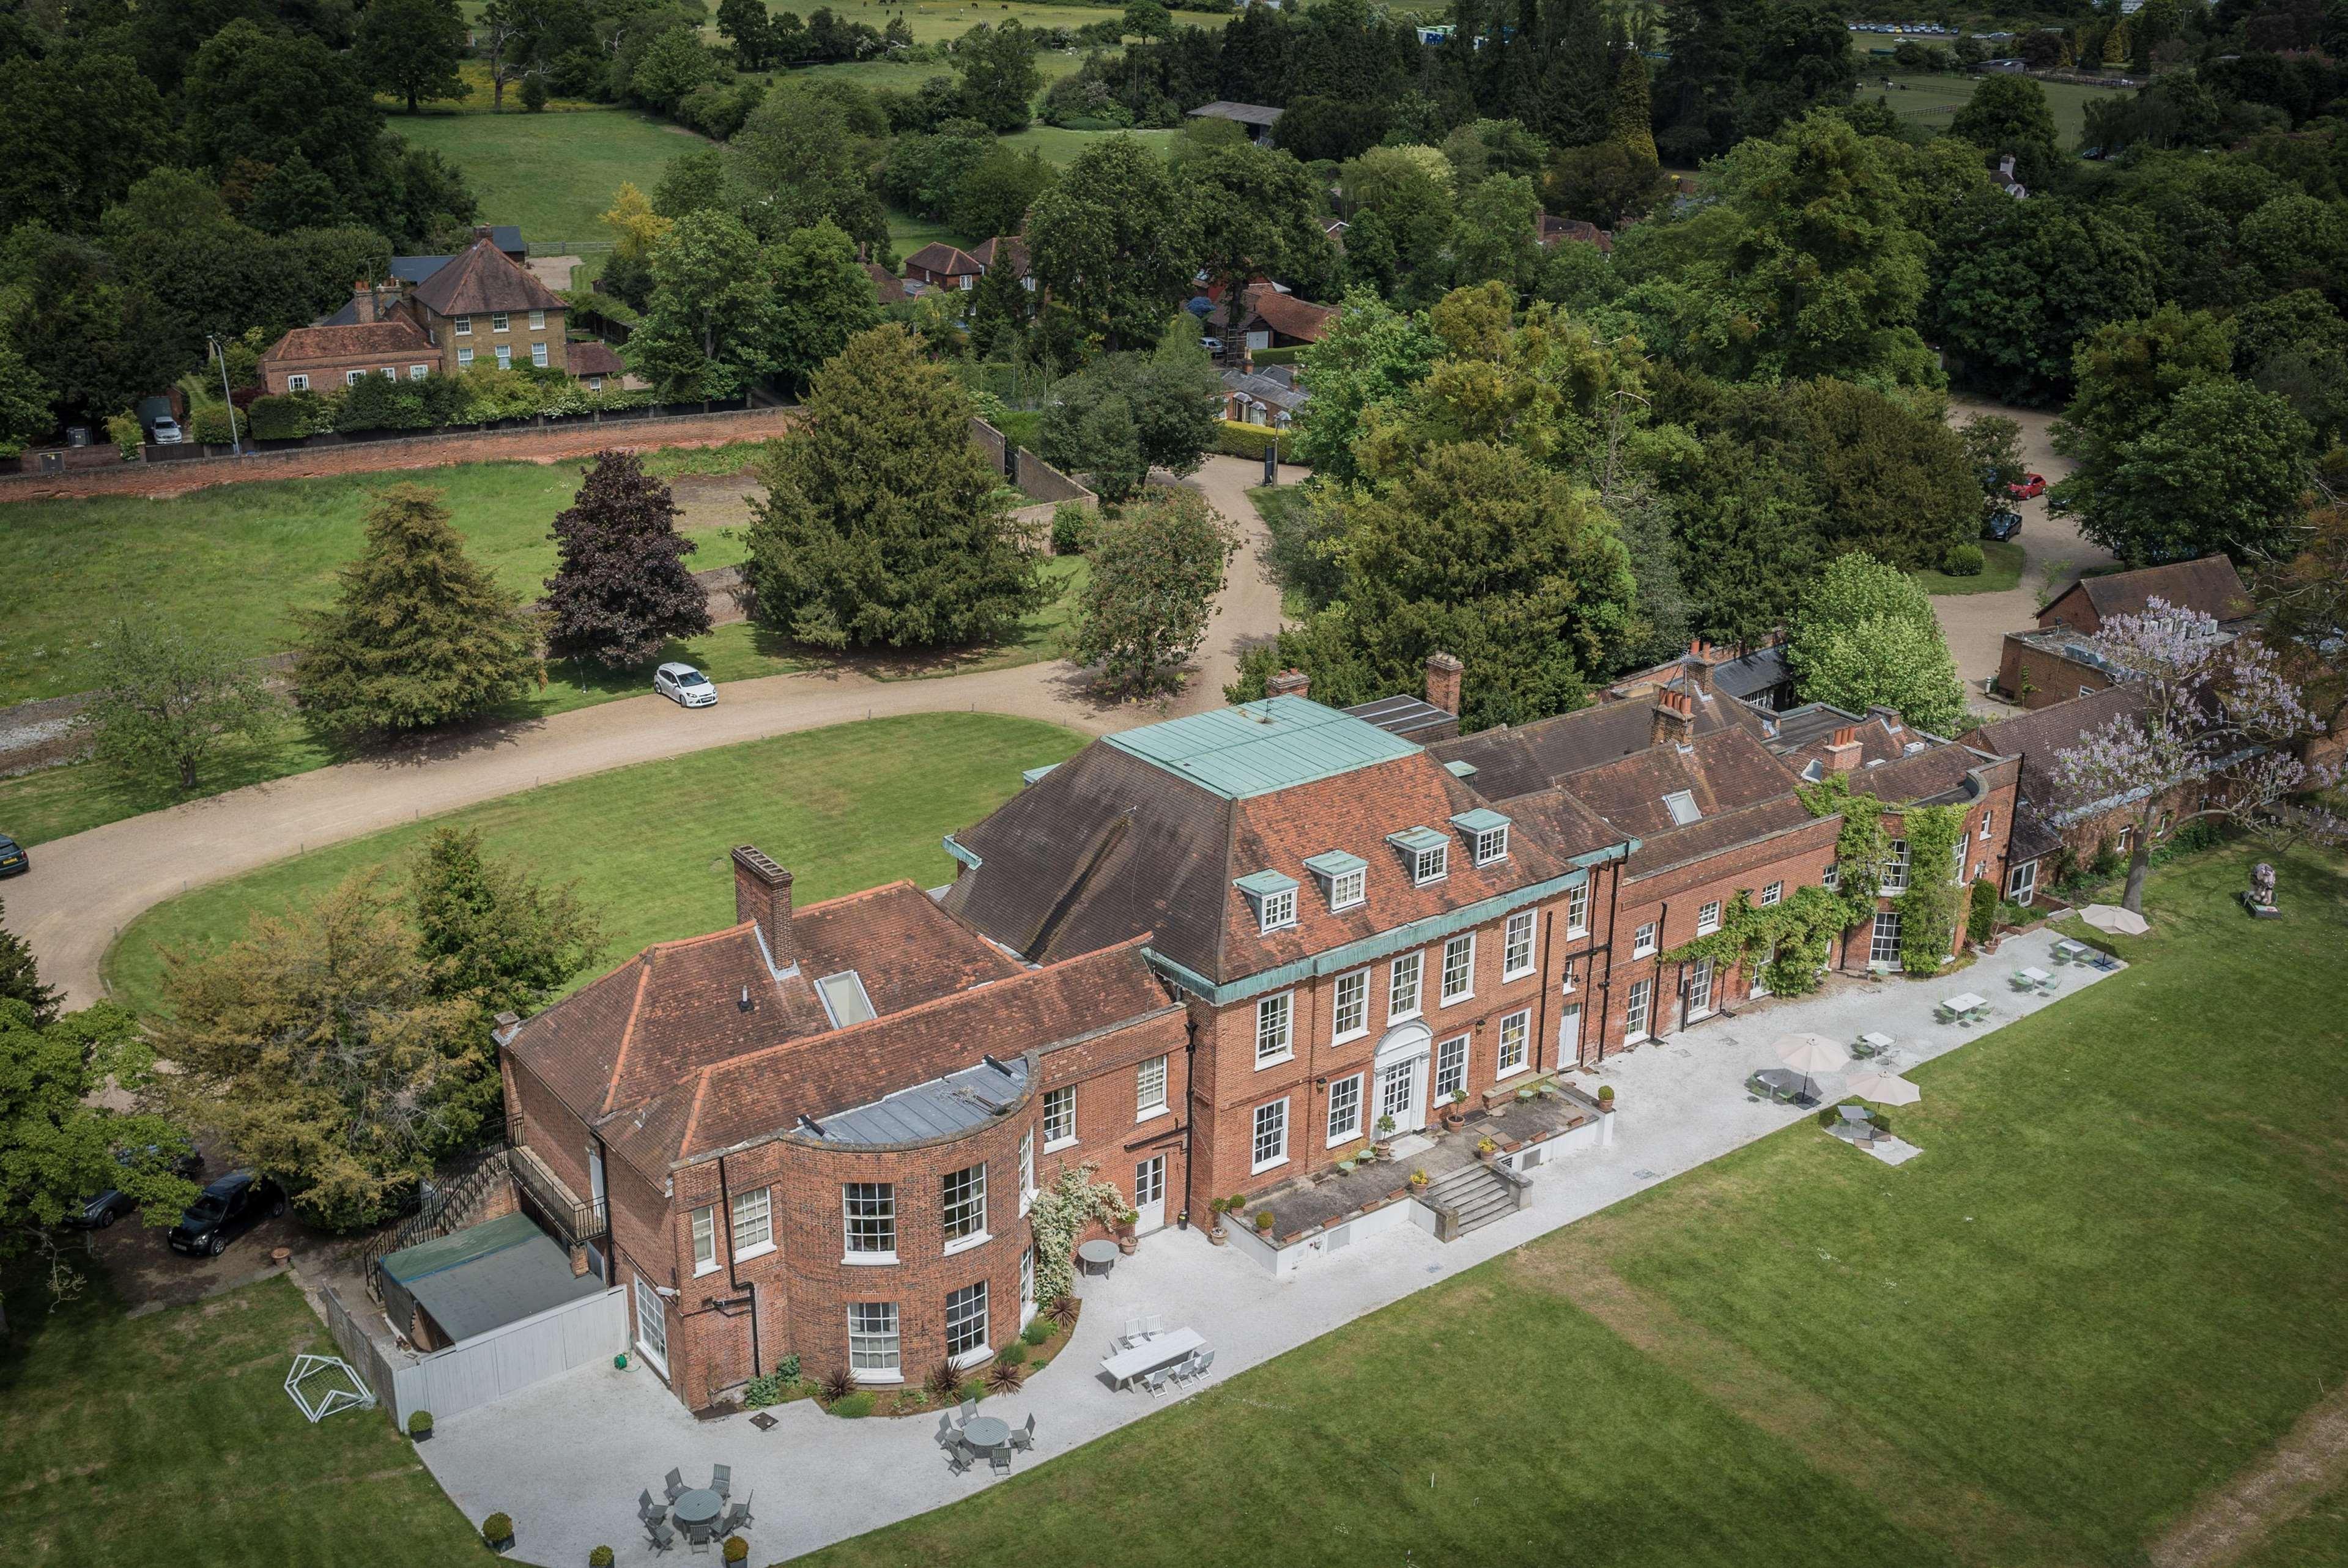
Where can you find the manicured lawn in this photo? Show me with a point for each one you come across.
(1061, 145)
(2002, 562)
(169, 1438)
(554, 175)
(845, 809)
(1933, 100)
(2111, 1280)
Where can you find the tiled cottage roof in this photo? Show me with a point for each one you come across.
(1721, 772)
(891, 287)
(593, 357)
(1287, 314)
(949, 261)
(1525, 758)
(482, 280)
(2210, 585)
(1006, 250)
(387, 340)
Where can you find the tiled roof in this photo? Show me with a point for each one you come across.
(2036, 736)
(482, 280)
(1287, 314)
(891, 286)
(397, 339)
(1711, 835)
(937, 256)
(1277, 391)
(1245, 113)
(1555, 230)
(1724, 771)
(1510, 762)
(1008, 250)
(593, 357)
(2210, 585)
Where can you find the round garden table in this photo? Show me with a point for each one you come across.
(987, 1433)
(1098, 1257)
(697, 1509)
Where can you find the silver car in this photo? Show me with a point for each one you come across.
(684, 686)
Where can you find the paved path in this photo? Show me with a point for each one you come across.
(1976, 624)
(566, 1457)
(85, 888)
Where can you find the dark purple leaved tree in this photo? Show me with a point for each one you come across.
(2213, 706)
(621, 590)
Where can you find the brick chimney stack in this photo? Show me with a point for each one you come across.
(1842, 756)
(1674, 719)
(1288, 682)
(362, 301)
(1443, 673)
(1700, 658)
(762, 891)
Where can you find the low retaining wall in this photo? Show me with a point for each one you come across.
(578, 437)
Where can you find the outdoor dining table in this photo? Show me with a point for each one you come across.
(2070, 951)
(1875, 1043)
(2037, 977)
(987, 1433)
(1098, 1257)
(1149, 1354)
(1964, 1002)
(697, 1509)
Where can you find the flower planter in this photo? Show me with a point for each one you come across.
(1217, 1235)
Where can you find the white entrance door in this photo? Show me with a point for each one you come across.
(1399, 1096)
(651, 1325)
(1149, 1194)
(1569, 1033)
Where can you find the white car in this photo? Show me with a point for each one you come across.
(167, 433)
(684, 686)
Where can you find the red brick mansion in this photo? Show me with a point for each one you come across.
(1205, 957)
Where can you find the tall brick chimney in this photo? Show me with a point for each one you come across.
(1700, 658)
(1842, 756)
(1674, 719)
(1443, 672)
(362, 301)
(762, 891)
(1288, 682)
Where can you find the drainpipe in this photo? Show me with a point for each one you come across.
(725, 1202)
(1548, 950)
(1605, 976)
(1190, 1092)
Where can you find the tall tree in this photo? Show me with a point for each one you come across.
(1256, 211)
(798, 159)
(1864, 633)
(748, 26)
(20, 977)
(2225, 469)
(2211, 707)
(1156, 570)
(710, 326)
(265, 94)
(620, 590)
(884, 526)
(164, 701)
(999, 77)
(314, 1043)
(419, 634)
(1110, 243)
(2008, 115)
(1372, 353)
(992, 196)
(411, 48)
(1630, 119)
(60, 170)
(823, 296)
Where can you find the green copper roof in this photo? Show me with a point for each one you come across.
(1482, 819)
(1258, 747)
(1333, 864)
(1417, 839)
(1263, 884)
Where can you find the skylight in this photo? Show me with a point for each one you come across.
(844, 999)
(1681, 804)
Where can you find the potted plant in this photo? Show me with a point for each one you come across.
(1486, 1150)
(599, 1558)
(737, 1549)
(1126, 1220)
(1418, 1180)
(1606, 1096)
(420, 1426)
(1455, 1113)
(1263, 1222)
(1215, 1232)
(496, 1530)
(1385, 1134)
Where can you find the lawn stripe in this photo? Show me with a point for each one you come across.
(2309, 1462)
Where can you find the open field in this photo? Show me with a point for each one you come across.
(2109, 1284)
(1933, 100)
(845, 809)
(554, 175)
(482, 98)
(170, 1439)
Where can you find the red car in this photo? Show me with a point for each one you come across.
(2027, 486)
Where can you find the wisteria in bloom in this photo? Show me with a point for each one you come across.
(2212, 705)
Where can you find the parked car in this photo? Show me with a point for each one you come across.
(1211, 344)
(224, 1211)
(2002, 525)
(684, 686)
(167, 433)
(2027, 486)
(103, 1209)
(14, 859)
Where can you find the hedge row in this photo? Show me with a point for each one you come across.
(1234, 440)
(478, 397)
(1277, 356)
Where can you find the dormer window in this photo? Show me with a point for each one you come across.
(1426, 853)
(1272, 897)
(1344, 879)
(1486, 832)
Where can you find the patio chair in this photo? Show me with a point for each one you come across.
(999, 1460)
(749, 1519)
(721, 1479)
(969, 1409)
(946, 1432)
(1023, 1438)
(959, 1458)
(1156, 1382)
(663, 1539)
(1200, 1361)
(1152, 1326)
(646, 1506)
(1134, 1332)
(736, 1518)
(675, 1482)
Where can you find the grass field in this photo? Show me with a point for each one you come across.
(552, 174)
(2002, 564)
(2110, 1281)
(845, 809)
(170, 1439)
(1933, 100)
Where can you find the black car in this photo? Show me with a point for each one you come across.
(14, 860)
(102, 1210)
(2002, 525)
(224, 1211)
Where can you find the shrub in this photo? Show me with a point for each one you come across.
(1037, 1332)
(1263, 1222)
(1277, 356)
(788, 1368)
(1013, 1354)
(1964, 561)
(1234, 440)
(289, 417)
(419, 1423)
(127, 434)
(1981, 919)
(1072, 528)
(1606, 1094)
(945, 1380)
(210, 425)
(496, 1527)
(1005, 1376)
(837, 1384)
(1064, 1310)
(855, 1407)
(599, 1558)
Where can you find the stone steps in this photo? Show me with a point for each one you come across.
(1475, 1193)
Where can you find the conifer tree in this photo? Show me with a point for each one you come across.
(419, 634)
(622, 589)
(20, 979)
(1633, 120)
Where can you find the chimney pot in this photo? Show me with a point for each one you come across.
(578, 1261)
(1288, 682)
(480, 231)
(1673, 720)
(1443, 676)
(762, 892)
(1842, 755)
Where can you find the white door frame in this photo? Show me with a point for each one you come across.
(1402, 1056)
(1152, 1215)
(642, 1290)
(1569, 1035)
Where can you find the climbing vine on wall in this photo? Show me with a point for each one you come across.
(1063, 1207)
(1930, 909)
(1795, 934)
(1861, 846)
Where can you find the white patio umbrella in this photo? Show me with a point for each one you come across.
(1808, 1054)
(1882, 1088)
(2113, 918)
